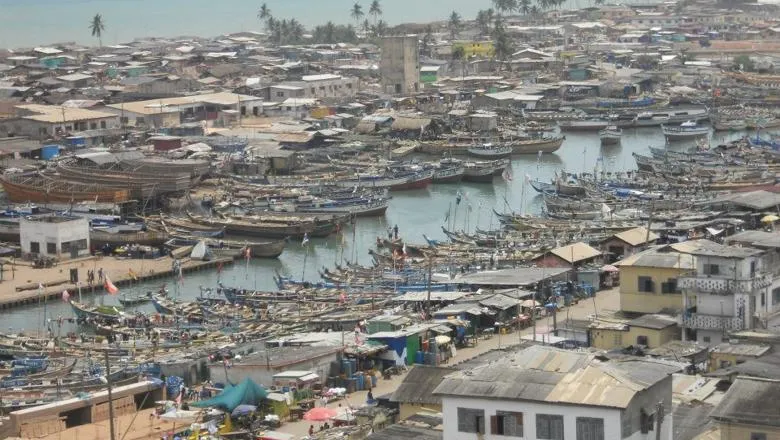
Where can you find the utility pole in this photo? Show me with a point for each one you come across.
(428, 301)
(110, 398)
(659, 419)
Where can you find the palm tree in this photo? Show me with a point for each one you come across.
(482, 22)
(534, 11)
(453, 24)
(366, 27)
(264, 12)
(357, 12)
(97, 27)
(329, 32)
(296, 30)
(375, 10)
(524, 6)
(381, 28)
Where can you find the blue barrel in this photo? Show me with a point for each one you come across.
(419, 357)
(49, 152)
(373, 381)
(347, 368)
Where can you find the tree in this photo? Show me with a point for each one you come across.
(366, 27)
(427, 41)
(97, 27)
(453, 24)
(296, 31)
(534, 11)
(381, 28)
(264, 12)
(483, 23)
(744, 63)
(375, 10)
(357, 12)
(502, 45)
(458, 53)
(524, 6)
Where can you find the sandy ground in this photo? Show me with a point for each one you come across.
(19, 273)
(605, 300)
(126, 427)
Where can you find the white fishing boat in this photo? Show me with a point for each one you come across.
(730, 125)
(490, 151)
(686, 130)
(610, 135)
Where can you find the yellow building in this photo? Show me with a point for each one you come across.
(480, 49)
(728, 355)
(651, 331)
(749, 410)
(415, 393)
(648, 281)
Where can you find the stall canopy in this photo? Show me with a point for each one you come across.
(245, 393)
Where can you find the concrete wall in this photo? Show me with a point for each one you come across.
(345, 86)
(607, 339)
(450, 405)
(736, 431)
(400, 65)
(45, 130)
(648, 400)
(44, 232)
(632, 300)
(407, 410)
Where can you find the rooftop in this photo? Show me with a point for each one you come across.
(751, 401)
(418, 385)
(654, 258)
(518, 276)
(57, 114)
(171, 105)
(575, 252)
(546, 374)
(637, 236)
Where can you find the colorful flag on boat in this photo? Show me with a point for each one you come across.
(305, 239)
(132, 274)
(65, 296)
(247, 253)
(109, 286)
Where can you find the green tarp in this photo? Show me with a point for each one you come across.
(245, 393)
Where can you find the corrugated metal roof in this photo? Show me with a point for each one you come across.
(637, 236)
(576, 252)
(552, 375)
(750, 401)
(418, 385)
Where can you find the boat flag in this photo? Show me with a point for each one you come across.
(507, 174)
(305, 239)
(109, 286)
(65, 296)
(447, 216)
(247, 253)
(181, 276)
(219, 267)
(342, 298)
(404, 250)
(132, 274)
(458, 196)
(528, 178)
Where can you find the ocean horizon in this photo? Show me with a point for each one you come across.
(29, 23)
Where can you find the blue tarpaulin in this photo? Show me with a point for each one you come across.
(245, 393)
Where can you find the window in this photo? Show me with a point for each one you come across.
(590, 428)
(641, 340)
(757, 436)
(349, 86)
(471, 420)
(549, 427)
(752, 268)
(312, 90)
(646, 284)
(280, 94)
(102, 124)
(35, 247)
(93, 125)
(711, 269)
(507, 423)
(670, 286)
(617, 339)
(51, 248)
(123, 119)
(705, 339)
(775, 296)
(140, 120)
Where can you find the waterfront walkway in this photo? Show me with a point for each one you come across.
(19, 274)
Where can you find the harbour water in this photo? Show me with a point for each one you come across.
(415, 212)
(126, 20)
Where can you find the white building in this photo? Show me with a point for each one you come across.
(54, 236)
(45, 121)
(330, 86)
(547, 393)
(734, 288)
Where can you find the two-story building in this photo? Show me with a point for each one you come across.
(729, 291)
(648, 280)
(547, 393)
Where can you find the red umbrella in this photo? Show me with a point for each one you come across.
(320, 414)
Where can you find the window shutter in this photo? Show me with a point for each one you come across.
(494, 424)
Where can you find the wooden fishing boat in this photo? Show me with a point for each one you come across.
(264, 249)
(610, 135)
(60, 369)
(40, 188)
(584, 125)
(245, 227)
(87, 312)
(127, 300)
(686, 130)
(484, 171)
(100, 238)
(449, 173)
(490, 151)
(730, 125)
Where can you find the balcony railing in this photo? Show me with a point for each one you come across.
(713, 322)
(724, 286)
